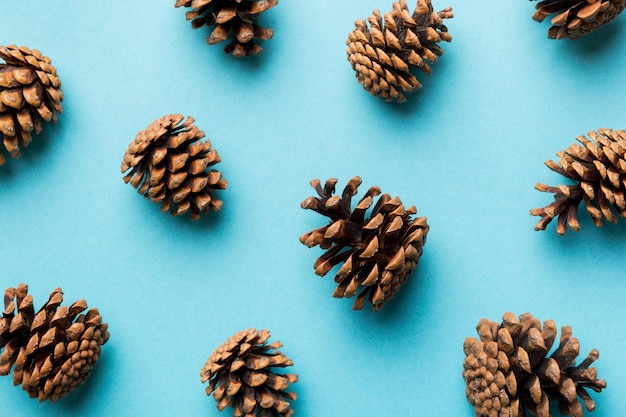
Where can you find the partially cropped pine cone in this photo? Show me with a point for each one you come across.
(379, 253)
(231, 16)
(241, 376)
(508, 371)
(30, 91)
(574, 18)
(169, 163)
(599, 169)
(53, 351)
(382, 55)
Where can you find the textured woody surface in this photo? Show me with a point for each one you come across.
(241, 375)
(507, 369)
(226, 17)
(30, 91)
(169, 163)
(379, 253)
(383, 54)
(598, 165)
(574, 18)
(54, 350)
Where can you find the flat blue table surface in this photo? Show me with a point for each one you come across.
(466, 150)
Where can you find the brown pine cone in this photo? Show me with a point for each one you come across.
(507, 370)
(231, 16)
(574, 18)
(53, 351)
(599, 169)
(379, 253)
(30, 91)
(241, 376)
(382, 55)
(168, 164)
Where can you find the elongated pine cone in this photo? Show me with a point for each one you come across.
(30, 91)
(379, 253)
(598, 165)
(508, 371)
(383, 54)
(574, 18)
(241, 376)
(53, 351)
(169, 163)
(231, 16)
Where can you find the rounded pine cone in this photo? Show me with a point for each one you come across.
(241, 376)
(574, 18)
(53, 351)
(379, 253)
(30, 91)
(168, 164)
(383, 54)
(231, 16)
(508, 371)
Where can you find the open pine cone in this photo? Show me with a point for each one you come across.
(599, 169)
(53, 351)
(508, 371)
(383, 54)
(168, 164)
(30, 91)
(379, 253)
(574, 18)
(231, 16)
(241, 376)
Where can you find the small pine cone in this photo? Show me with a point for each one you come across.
(240, 376)
(168, 164)
(599, 168)
(30, 91)
(383, 54)
(53, 351)
(576, 18)
(231, 16)
(378, 253)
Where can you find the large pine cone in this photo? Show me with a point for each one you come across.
(241, 376)
(53, 351)
(231, 16)
(507, 370)
(168, 164)
(599, 168)
(379, 252)
(30, 91)
(576, 18)
(382, 55)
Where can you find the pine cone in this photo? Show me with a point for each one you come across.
(382, 55)
(226, 16)
(30, 91)
(168, 164)
(507, 370)
(576, 18)
(599, 168)
(378, 253)
(240, 376)
(54, 350)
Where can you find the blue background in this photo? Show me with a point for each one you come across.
(466, 149)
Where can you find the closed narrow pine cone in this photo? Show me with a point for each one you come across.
(53, 351)
(598, 166)
(574, 18)
(383, 54)
(378, 252)
(241, 375)
(226, 17)
(30, 91)
(508, 371)
(169, 164)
